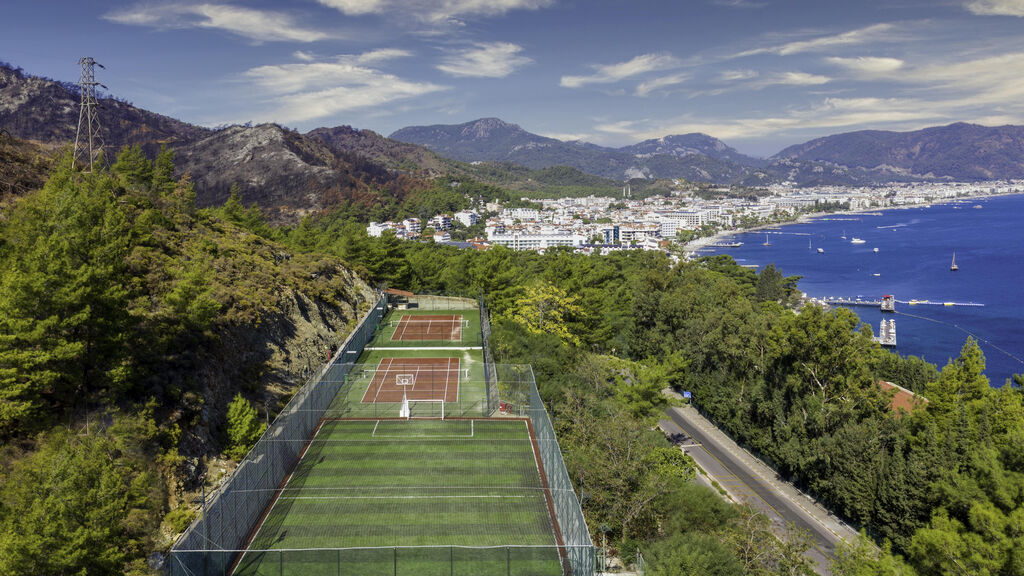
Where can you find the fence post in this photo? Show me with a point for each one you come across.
(396, 559)
(508, 560)
(280, 562)
(451, 560)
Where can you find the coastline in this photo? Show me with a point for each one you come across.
(691, 247)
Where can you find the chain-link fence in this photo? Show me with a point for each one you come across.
(575, 536)
(229, 515)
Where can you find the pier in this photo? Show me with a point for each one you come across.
(888, 303)
(840, 301)
(886, 333)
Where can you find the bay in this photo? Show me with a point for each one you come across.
(915, 250)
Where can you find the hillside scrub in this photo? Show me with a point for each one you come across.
(129, 319)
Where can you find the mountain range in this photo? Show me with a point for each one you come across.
(960, 152)
(291, 174)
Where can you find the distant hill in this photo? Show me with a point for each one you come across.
(46, 111)
(385, 151)
(955, 152)
(692, 157)
(684, 145)
(287, 173)
(958, 151)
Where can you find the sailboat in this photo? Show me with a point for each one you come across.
(953, 267)
(844, 235)
(766, 242)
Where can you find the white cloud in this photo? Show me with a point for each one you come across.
(306, 91)
(873, 33)
(645, 88)
(485, 60)
(382, 55)
(304, 56)
(567, 137)
(867, 65)
(739, 3)
(258, 25)
(610, 73)
(831, 114)
(734, 75)
(796, 79)
(433, 10)
(996, 7)
(622, 127)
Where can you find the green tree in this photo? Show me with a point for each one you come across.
(63, 298)
(862, 558)
(546, 308)
(80, 504)
(244, 427)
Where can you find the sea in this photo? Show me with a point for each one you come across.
(915, 248)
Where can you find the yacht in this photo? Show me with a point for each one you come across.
(857, 241)
(953, 267)
(821, 250)
(875, 250)
(766, 242)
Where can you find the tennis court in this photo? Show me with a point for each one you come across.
(446, 327)
(396, 379)
(418, 328)
(420, 489)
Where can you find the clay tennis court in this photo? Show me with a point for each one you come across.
(431, 379)
(429, 327)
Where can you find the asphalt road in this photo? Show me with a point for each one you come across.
(745, 484)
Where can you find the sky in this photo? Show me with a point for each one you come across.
(758, 74)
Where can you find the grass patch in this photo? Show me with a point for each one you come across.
(441, 485)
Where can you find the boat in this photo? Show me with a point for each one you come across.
(876, 274)
(857, 241)
(766, 242)
(821, 250)
(953, 267)
(808, 243)
(875, 250)
(844, 235)
(977, 206)
(949, 304)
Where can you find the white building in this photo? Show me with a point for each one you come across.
(440, 222)
(630, 233)
(442, 237)
(518, 239)
(412, 225)
(375, 229)
(523, 214)
(467, 217)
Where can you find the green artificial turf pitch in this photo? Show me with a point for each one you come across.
(437, 484)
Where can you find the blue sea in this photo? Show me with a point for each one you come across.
(915, 250)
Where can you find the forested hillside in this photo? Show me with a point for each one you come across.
(129, 322)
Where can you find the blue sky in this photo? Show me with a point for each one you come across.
(759, 74)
